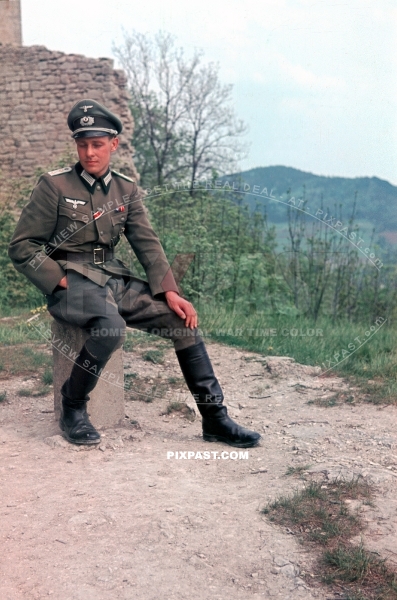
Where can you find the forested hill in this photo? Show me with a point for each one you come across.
(376, 198)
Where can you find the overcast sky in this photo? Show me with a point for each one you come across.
(316, 81)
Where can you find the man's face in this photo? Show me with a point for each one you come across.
(94, 153)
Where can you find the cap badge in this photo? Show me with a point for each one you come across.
(85, 121)
(85, 107)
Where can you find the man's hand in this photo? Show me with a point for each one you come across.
(63, 283)
(182, 308)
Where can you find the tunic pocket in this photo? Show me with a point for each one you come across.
(72, 225)
(118, 220)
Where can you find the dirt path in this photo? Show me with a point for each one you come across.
(123, 521)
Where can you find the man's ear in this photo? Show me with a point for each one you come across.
(114, 144)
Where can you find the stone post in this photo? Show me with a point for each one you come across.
(106, 405)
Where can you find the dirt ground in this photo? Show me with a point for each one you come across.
(125, 521)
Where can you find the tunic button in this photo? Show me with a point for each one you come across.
(101, 232)
(98, 187)
(74, 215)
(123, 218)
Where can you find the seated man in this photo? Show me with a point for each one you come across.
(78, 214)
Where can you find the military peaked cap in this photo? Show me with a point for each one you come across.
(88, 118)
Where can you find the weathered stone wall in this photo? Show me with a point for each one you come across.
(10, 22)
(37, 90)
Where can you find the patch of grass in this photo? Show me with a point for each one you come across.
(34, 392)
(375, 393)
(36, 358)
(360, 572)
(181, 408)
(24, 360)
(298, 509)
(324, 402)
(150, 394)
(298, 470)
(128, 377)
(261, 391)
(16, 330)
(327, 345)
(318, 514)
(148, 389)
(47, 377)
(129, 343)
(382, 391)
(175, 407)
(3, 396)
(25, 392)
(335, 400)
(349, 563)
(154, 356)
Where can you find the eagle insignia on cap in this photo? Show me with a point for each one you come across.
(96, 120)
(86, 121)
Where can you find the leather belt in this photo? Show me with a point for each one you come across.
(98, 256)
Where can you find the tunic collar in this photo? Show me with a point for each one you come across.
(91, 182)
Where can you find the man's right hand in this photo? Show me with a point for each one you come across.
(63, 283)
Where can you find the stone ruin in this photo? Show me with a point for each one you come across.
(38, 87)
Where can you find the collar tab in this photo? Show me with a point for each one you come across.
(91, 182)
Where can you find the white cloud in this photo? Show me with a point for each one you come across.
(306, 78)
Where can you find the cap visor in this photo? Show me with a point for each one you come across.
(93, 133)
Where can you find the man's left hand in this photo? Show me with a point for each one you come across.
(183, 308)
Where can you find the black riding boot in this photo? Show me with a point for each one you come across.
(74, 419)
(201, 381)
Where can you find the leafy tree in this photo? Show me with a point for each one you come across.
(184, 124)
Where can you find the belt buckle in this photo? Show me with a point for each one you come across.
(99, 261)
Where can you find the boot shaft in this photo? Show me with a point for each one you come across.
(83, 378)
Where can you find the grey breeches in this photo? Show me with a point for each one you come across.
(105, 312)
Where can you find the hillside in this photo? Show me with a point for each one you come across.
(376, 198)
